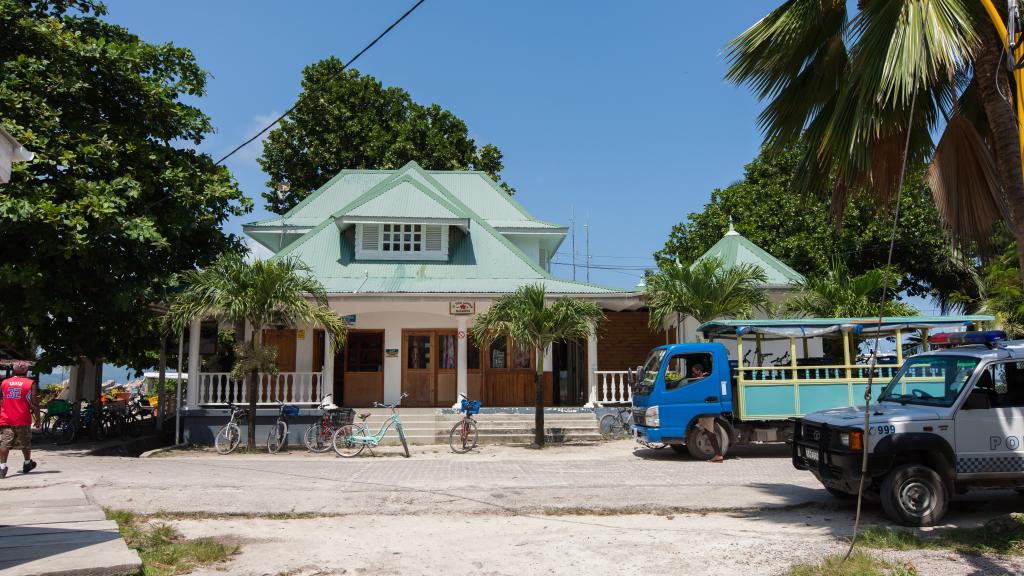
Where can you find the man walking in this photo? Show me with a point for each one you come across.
(17, 407)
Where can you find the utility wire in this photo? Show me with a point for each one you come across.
(343, 67)
(885, 289)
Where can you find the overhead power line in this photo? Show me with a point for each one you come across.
(343, 67)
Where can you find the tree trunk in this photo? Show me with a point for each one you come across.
(254, 377)
(538, 418)
(1003, 136)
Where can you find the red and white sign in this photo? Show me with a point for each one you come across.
(461, 308)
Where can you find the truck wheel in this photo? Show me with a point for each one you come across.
(698, 446)
(914, 495)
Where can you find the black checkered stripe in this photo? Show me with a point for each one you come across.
(990, 464)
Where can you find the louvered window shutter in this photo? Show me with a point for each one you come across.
(371, 237)
(545, 259)
(433, 238)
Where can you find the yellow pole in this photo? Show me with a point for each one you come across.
(846, 363)
(1018, 75)
(792, 375)
(899, 347)
(739, 358)
(925, 345)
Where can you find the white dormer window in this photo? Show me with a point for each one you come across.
(401, 241)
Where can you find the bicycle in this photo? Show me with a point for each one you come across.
(616, 425)
(230, 435)
(463, 435)
(89, 420)
(350, 439)
(317, 437)
(278, 435)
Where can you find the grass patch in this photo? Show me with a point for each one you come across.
(858, 564)
(1003, 536)
(163, 550)
(162, 515)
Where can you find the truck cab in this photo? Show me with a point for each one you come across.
(949, 421)
(678, 384)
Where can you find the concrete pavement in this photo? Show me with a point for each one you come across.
(54, 530)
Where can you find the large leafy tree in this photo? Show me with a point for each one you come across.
(705, 290)
(837, 293)
(768, 210)
(259, 292)
(346, 120)
(115, 201)
(527, 318)
(846, 83)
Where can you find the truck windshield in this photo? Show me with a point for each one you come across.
(930, 380)
(649, 372)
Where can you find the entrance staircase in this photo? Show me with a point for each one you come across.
(496, 425)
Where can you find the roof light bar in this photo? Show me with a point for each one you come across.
(987, 337)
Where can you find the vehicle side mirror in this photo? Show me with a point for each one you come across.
(977, 400)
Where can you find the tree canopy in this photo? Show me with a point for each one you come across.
(796, 229)
(836, 293)
(115, 201)
(347, 120)
(706, 291)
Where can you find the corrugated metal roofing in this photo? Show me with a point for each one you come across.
(482, 261)
(734, 249)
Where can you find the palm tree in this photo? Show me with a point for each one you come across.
(706, 290)
(837, 294)
(259, 292)
(847, 86)
(527, 319)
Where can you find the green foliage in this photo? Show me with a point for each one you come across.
(113, 204)
(163, 550)
(249, 358)
(797, 229)
(1002, 294)
(1003, 536)
(838, 294)
(707, 290)
(346, 120)
(858, 564)
(526, 317)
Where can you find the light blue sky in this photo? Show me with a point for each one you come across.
(617, 109)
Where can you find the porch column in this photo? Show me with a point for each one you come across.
(461, 368)
(592, 367)
(327, 378)
(193, 364)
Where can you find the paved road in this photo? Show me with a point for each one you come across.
(498, 479)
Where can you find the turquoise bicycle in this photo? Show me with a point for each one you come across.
(351, 439)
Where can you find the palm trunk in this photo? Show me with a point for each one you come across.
(538, 419)
(252, 387)
(1004, 137)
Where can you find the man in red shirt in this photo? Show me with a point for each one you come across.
(17, 407)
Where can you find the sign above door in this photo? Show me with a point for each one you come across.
(462, 308)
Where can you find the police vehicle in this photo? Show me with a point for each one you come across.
(949, 421)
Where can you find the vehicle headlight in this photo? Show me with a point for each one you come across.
(651, 417)
(852, 440)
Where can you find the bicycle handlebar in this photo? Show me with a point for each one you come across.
(395, 405)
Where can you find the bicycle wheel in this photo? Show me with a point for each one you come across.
(405, 443)
(277, 437)
(228, 438)
(343, 443)
(463, 436)
(318, 438)
(65, 429)
(612, 427)
(47, 425)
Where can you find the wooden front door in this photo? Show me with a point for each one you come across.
(284, 341)
(509, 376)
(419, 367)
(362, 377)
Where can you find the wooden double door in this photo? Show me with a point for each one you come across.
(359, 369)
(429, 365)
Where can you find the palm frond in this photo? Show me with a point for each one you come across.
(706, 290)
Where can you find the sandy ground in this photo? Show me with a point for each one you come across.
(596, 509)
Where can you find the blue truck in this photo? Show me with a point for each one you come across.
(780, 370)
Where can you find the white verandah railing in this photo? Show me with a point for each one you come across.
(612, 387)
(301, 388)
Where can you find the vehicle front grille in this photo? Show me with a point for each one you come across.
(638, 417)
(812, 435)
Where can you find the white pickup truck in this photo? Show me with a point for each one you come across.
(949, 421)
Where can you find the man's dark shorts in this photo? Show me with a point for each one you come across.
(15, 437)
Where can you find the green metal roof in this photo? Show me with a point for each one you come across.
(734, 249)
(733, 327)
(483, 260)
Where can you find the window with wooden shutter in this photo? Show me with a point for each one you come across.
(401, 241)
(545, 259)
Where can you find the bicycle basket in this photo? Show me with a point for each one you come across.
(58, 407)
(289, 410)
(470, 406)
(343, 416)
